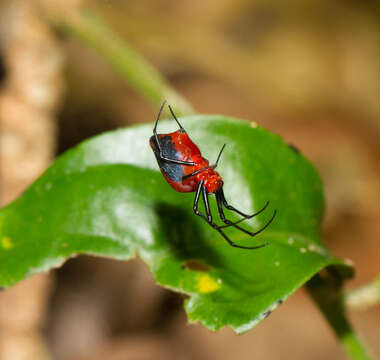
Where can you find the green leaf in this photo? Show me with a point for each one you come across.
(106, 197)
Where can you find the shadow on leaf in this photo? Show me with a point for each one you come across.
(185, 237)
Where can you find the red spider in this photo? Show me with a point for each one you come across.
(185, 170)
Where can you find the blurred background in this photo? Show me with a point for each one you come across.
(307, 70)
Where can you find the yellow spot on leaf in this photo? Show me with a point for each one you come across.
(207, 284)
(7, 243)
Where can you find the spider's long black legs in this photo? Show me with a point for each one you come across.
(196, 202)
(196, 172)
(175, 118)
(174, 161)
(230, 223)
(220, 194)
(220, 153)
(160, 155)
(208, 167)
(158, 118)
(208, 219)
(247, 217)
(207, 205)
(221, 199)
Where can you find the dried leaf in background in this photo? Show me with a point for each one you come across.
(29, 99)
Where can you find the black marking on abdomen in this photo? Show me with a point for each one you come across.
(172, 171)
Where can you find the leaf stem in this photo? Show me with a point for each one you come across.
(132, 67)
(326, 292)
(363, 296)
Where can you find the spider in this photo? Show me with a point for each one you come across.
(183, 167)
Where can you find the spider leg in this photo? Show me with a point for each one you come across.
(196, 202)
(220, 153)
(158, 118)
(219, 201)
(175, 118)
(220, 194)
(207, 167)
(244, 218)
(174, 161)
(195, 172)
(160, 154)
(208, 218)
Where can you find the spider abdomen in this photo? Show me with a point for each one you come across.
(178, 146)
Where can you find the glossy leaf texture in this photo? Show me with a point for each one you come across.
(106, 197)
